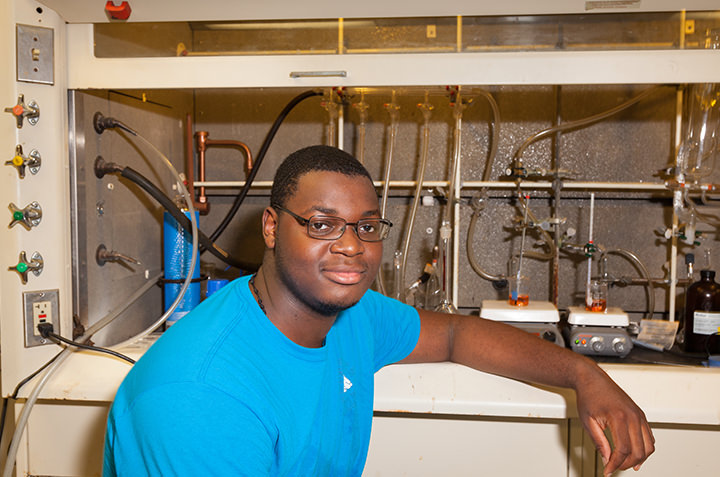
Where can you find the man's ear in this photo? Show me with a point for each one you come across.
(269, 226)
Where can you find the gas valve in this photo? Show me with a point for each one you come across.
(24, 267)
(33, 161)
(29, 217)
(103, 255)
(31, 112)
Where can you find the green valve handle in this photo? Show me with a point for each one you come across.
(590, 249)
(28, 217)
(35, 265)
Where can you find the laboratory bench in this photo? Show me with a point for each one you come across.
(430, 419)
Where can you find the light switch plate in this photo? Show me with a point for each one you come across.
(35, 54)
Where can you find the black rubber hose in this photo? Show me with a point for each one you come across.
(134, 176)
(258, 160)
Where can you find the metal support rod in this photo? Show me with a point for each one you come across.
(499, 185)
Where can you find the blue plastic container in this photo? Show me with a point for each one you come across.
(177, 254)
(215, 285)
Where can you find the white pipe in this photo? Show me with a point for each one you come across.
(588, 296)
(529, 185)
(362, 108)
(522, 248)
(677, 198)
(453, 206)
(456, 224)
(341, 124)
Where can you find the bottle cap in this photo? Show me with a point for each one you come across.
(707, 274)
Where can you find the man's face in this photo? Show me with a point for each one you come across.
(327, 275)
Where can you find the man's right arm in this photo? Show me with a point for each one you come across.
(501, 349)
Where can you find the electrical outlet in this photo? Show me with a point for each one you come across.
(42, 313)
(40, 307)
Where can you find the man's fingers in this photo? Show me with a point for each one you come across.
(598, 436)
(632, 445)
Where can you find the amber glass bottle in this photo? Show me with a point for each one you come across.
(702, 314)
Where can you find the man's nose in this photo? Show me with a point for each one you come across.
(349, 243)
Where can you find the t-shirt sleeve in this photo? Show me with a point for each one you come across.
(186, 431)
(396, 328)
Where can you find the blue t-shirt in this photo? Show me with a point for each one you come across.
(224, 392)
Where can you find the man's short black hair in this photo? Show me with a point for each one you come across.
(309, 159)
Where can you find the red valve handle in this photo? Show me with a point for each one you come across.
(17, 110)
(120, 12)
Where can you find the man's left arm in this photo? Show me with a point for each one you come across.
(504, 350)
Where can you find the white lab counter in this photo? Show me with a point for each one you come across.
(667, 394)
(430, 419)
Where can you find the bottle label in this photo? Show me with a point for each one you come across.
(706, 323)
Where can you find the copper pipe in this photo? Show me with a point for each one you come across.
(202, 207)
(203, 143)
(229, 142)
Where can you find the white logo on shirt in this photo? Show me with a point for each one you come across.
(347, 384)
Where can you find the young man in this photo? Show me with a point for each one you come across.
(274, 374)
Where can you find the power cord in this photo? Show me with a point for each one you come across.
(15, 393)
(46, 331)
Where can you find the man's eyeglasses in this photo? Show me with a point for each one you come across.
(324, 227)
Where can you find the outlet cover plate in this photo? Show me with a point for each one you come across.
(33, 339)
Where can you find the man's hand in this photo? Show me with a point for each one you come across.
(602, 406)
(507, 351)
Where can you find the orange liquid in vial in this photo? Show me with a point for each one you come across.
(597, 304)
(522, 300)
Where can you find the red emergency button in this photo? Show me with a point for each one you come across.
(120, 12)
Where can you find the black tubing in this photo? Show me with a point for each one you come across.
(258, 160)
(134, 176)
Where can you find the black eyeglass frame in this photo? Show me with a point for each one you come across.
(306, 223)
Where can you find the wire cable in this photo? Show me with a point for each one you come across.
(258, 160)
(15, 393)
(59, 340)
(53, 366)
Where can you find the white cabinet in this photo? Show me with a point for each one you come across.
(467, 446)
(445, 419)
